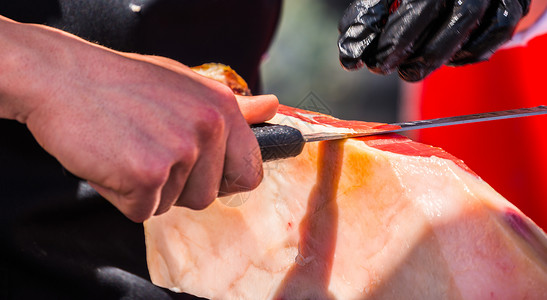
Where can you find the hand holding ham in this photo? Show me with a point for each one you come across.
(417, 37)
(146, 132)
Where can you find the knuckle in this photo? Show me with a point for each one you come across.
(186, 154)
(226, 100)
(149, 173)
(210, 123)
(225, 93)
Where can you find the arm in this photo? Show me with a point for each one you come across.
(146, 132)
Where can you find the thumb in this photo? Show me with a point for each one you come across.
(257, 109)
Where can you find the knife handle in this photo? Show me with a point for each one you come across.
(275, 141)
(278, 141)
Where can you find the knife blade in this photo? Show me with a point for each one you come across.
(281, 141)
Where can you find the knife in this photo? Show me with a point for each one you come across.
(281, 141)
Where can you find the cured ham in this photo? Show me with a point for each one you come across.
(379, 217)
(383, 217)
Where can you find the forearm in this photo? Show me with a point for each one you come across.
(37, 61)
(28, 55)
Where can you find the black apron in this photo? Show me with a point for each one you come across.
(60, 240)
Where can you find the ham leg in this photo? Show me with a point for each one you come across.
(370, 218)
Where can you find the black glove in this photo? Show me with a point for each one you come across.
(418, 36)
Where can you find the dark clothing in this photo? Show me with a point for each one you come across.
(233, 32)
(59, 238)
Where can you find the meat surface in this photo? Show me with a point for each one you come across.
(370, 218)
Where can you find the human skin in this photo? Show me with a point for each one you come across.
(146, 132)
(537, 7)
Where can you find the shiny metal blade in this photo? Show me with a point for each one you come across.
(399, 127)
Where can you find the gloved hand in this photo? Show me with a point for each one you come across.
(418, 36)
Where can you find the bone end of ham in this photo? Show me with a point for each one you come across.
(371, 218)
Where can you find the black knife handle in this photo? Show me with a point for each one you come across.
(278, 141)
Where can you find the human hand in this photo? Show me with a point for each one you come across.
(418, 36)
(146, 132)
(154, 138)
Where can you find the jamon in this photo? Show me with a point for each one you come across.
(381, 217)
(371, 218)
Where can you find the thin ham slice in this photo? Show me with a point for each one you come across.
(372, 218)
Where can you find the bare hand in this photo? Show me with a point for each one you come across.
(146, 132)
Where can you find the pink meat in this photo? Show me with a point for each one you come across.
(371, 218)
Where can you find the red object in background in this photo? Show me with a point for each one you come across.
(510, 155)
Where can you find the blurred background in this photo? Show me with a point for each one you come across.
(303, 70)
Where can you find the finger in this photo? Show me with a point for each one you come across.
(496, 28)
(174, 185)
(359, 28)
(243, 164)
(203, 182)
(447, 40)
(130, 203)
(406, 29)
(257, 109)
